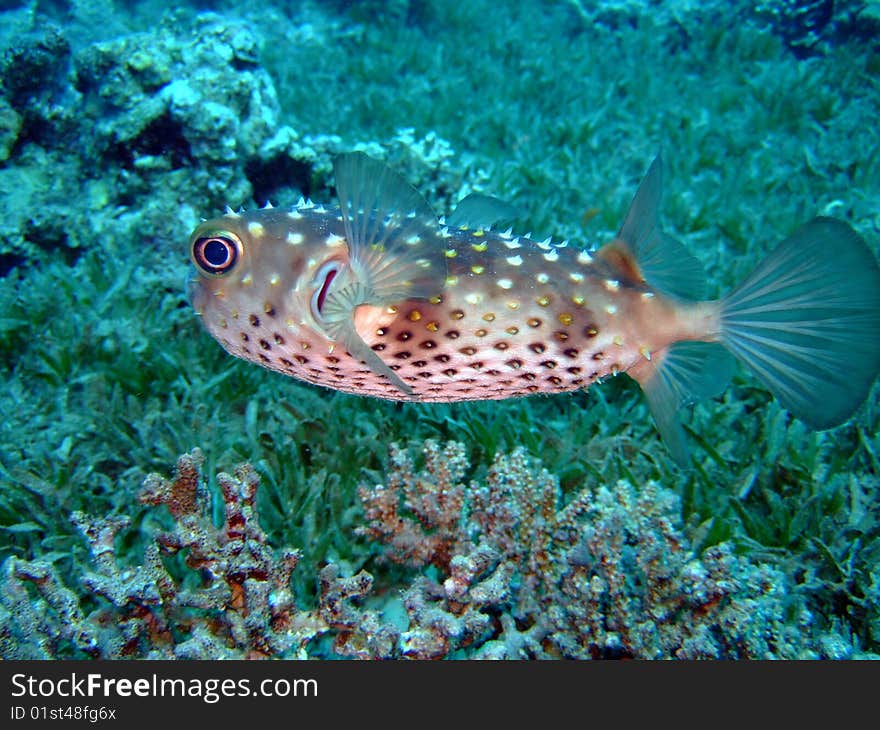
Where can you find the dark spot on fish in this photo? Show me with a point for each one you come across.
(515, 364)
(549, 364)
(394, 367)
(594, 375)
(402, 355)
(456, 314)
(264, 358)
(468, 350)
(254, 320)
(571, 352)
(599, 355)
(442, 358)
(404, 336)
(425, 374)
(561, 335)
(533, 322)
(244, 337)
(577, 381)
(284, 361)
(265, 345)
(533, 389)
(333, 368)
(493, 372)
(481, 333)
(501, 346)
(453, 334)
(269, 309)
(528, 376)
(378, 347)
(476, 365)
(332, 359)
(419, 363)
(428, 344)
(279, 340)
(450, 372)
(537, 347)
(574, 370)
(301, 359)
(591, 330)
(555, 380)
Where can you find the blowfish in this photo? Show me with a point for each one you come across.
(377, 296)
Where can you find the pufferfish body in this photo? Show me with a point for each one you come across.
(378, 297)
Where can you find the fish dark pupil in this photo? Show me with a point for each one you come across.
(322, 295)
(216, 252)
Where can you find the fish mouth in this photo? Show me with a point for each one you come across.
(194, 291)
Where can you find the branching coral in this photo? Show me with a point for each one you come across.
(603, 574)
(511, 569)
(239, 603)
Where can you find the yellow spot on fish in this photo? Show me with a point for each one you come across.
(513, 305)
(505, 283)
(392, 310)
(617, 340)
(543, 301)
(479, 246)
(489, 317)
(451, 253)
(432, 326)
(414, 316)
(435, 300)
(247, 280)
(479, 233)
(612, 284)
(274, 280)
(305, 345)
(478, 269)
(611, 309)
(566, 319)
(481, 333)
(645, 352)
(474, 298)
(584, 258)
(456, 314)
(533, 322)
(578, 300)
(542, 278)
(269, 309)
(512, 330)
(576, 277)
(256, 229)
(514, 260)
(294, 238)
(451, 280)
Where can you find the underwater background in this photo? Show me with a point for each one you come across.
(159, 498)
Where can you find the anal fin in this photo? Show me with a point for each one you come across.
(679, 375)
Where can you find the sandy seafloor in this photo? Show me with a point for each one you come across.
(122, 124)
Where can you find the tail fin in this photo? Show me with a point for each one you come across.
(807, 322)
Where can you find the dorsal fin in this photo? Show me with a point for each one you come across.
(643, 253)
(477, 210)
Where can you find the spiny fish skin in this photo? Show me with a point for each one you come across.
(514, 317)
(376, 297)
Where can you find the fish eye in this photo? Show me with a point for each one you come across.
(216, 254)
